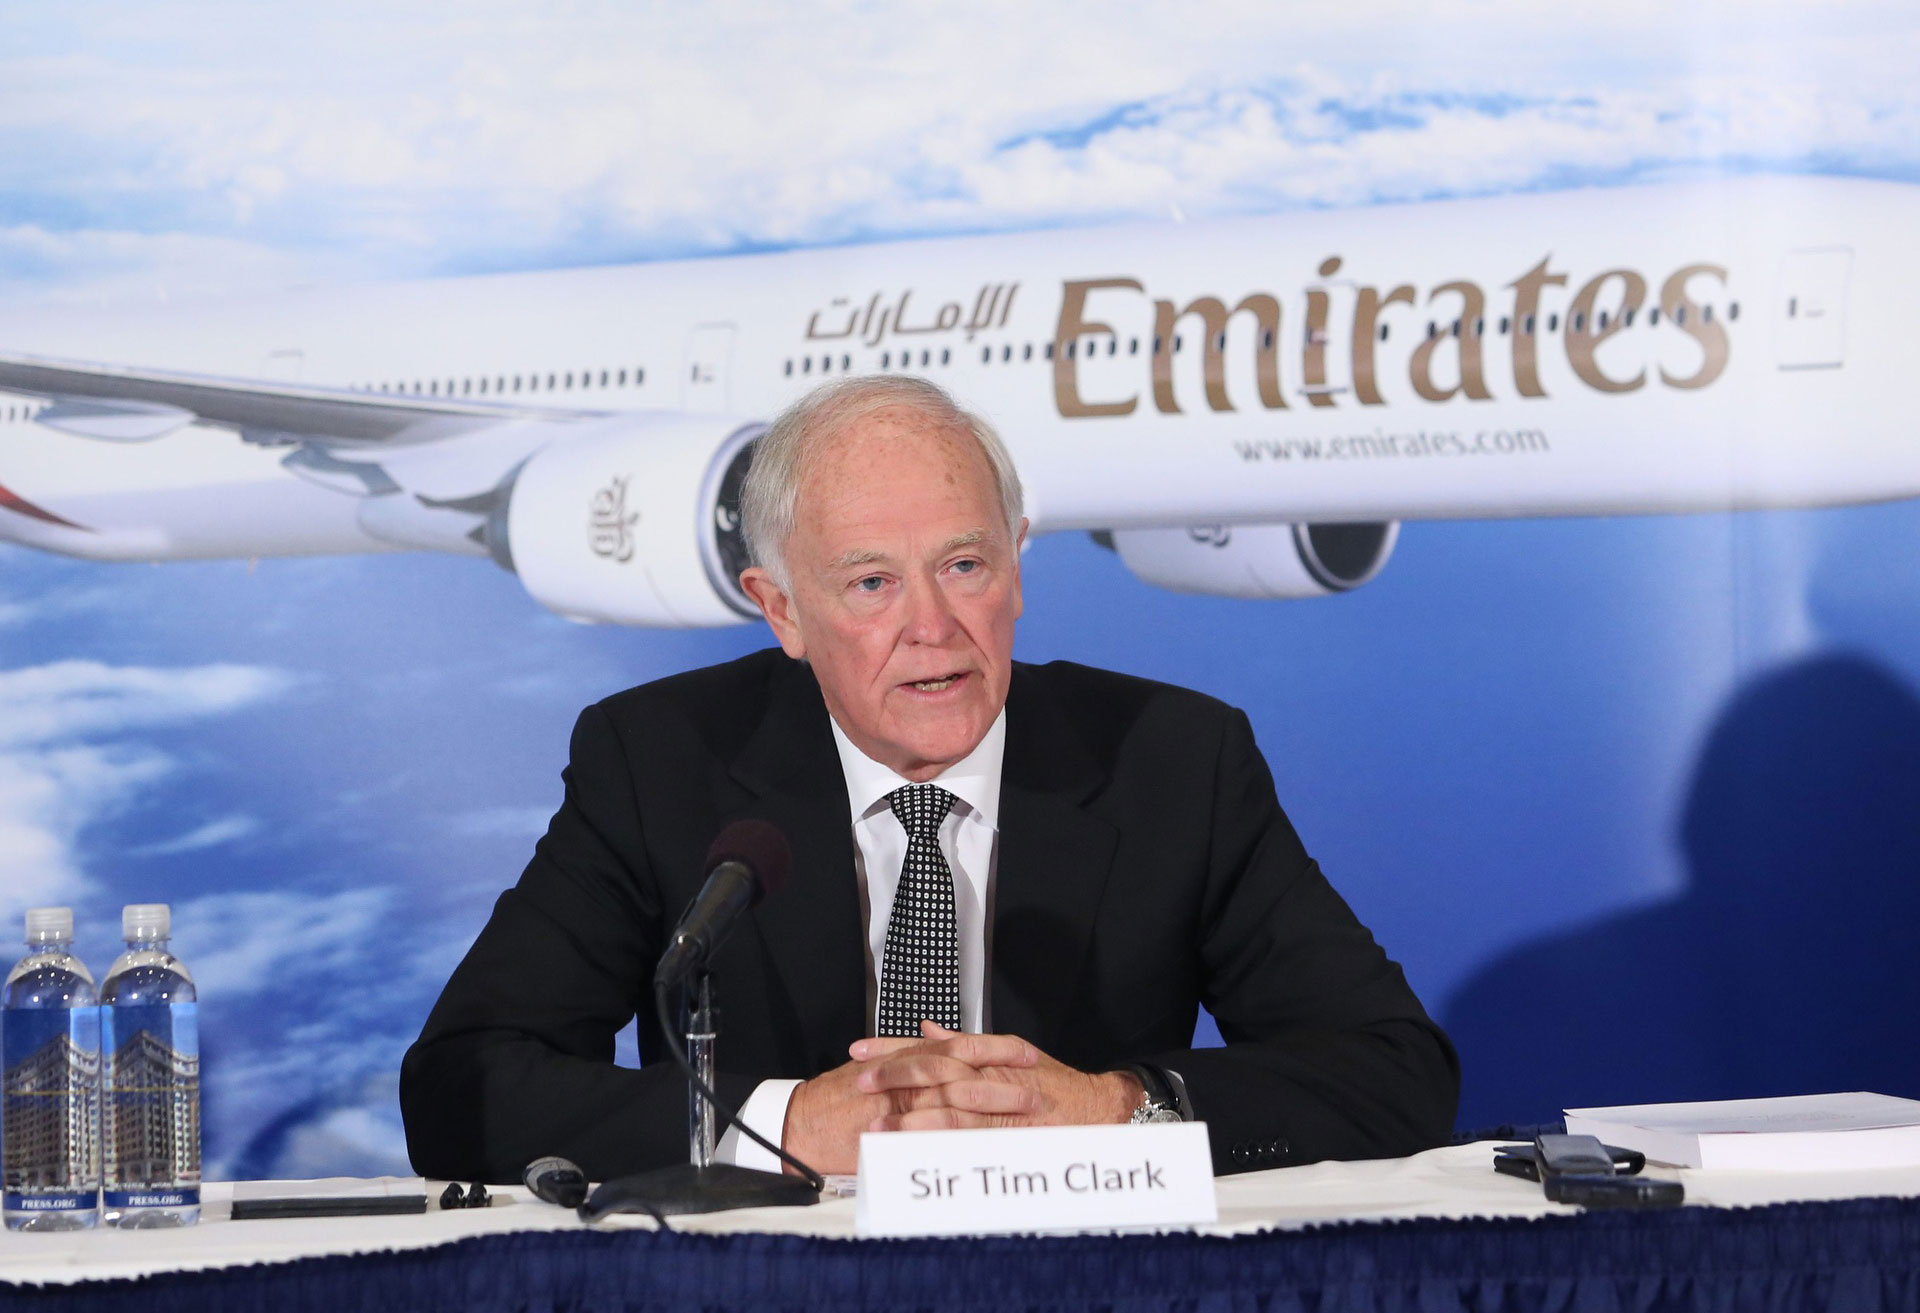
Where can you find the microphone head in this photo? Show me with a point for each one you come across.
(757, 845)
(557, 1181)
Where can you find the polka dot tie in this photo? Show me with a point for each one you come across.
(920, 969)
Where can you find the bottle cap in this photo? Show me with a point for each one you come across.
(145, 921)
(49, 925)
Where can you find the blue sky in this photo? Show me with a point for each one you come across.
(331, 766)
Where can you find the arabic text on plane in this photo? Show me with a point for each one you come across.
(877, 318)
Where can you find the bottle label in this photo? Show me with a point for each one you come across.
(151, 1198)
(51, 1061)
(151, 1112)
(65, 1202)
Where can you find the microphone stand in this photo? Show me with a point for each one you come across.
(703, 1028)
(699, 1185)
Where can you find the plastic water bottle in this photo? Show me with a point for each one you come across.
(150, 1089)
(50, 1109)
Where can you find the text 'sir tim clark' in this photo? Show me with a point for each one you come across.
(1077, 1178)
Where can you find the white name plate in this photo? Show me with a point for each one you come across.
(1039, 1178)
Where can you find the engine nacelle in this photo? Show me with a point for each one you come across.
(1258, 560)
(633, 521)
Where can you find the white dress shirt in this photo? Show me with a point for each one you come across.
(969, 839)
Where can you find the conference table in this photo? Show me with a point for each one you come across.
(1440, 1230)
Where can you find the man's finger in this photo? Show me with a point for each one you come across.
(936, 1119)
(993, 1097)
(985, 1050)
(987, 1096)
(974, 1050)
(910, 1070)
(865, 1050)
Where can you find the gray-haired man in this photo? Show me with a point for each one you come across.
(1058, 863)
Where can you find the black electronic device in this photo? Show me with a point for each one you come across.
(557, 1181)
(1572, 1155)
(749, 860)
(1520, 1160)
(246, 1210)
(1611, 1191)
(1579, 1169)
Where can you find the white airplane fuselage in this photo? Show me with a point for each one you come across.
(1687, 347)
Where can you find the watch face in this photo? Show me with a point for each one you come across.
(1154, 1112)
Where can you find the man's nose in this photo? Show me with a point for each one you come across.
(930, 616)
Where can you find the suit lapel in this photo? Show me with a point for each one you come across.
(1053, 864)
(812, 927)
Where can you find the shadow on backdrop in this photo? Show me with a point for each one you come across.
(1787, 967)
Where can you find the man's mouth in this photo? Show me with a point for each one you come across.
(939, 685)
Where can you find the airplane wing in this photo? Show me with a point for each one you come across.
(120, 403)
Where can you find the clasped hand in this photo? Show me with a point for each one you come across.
(942, 1081)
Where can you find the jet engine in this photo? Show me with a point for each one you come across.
(633, 521)
(1258, 560)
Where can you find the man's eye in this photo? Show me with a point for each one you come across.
(966, 567)
(871, 584)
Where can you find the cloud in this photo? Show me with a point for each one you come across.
(309, 999)
(211, 835)
(358, 1139)
(246, 147)
(68, 757)
(90, 267)
(73, 598)
(250, 942)
(500, 822)
(64, 701)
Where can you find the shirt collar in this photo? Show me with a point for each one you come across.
(974, 779)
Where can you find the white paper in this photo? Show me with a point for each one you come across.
(1798, 1112)
(1795, 1133)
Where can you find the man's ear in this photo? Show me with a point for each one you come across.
(777, 607)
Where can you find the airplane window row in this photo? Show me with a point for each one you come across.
(502, 384)
(1601, 320)
(844, 363)
(22, 412)
(925, 358)
(1091, 346)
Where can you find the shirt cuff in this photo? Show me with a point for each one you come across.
(766, 1111)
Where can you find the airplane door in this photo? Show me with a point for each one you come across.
(709, 361)
(1811, 308)
(1326, 360)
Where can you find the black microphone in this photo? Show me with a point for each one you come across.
(557, 1181)
(748, 861)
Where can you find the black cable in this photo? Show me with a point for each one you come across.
(659, 1218)
(814, 1178)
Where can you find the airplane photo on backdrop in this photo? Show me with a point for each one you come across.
(1244, 408)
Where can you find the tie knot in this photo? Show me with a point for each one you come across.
(920, 808)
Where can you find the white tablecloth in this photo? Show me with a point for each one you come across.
(1454, 1182)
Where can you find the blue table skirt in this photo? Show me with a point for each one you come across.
(1858, 1254)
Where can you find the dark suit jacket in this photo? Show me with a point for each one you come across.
(1145, 869)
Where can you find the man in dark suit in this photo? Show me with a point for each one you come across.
(1013, 886)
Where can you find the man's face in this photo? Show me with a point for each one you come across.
(905, 587)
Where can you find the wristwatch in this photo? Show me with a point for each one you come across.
(1163, 1097)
